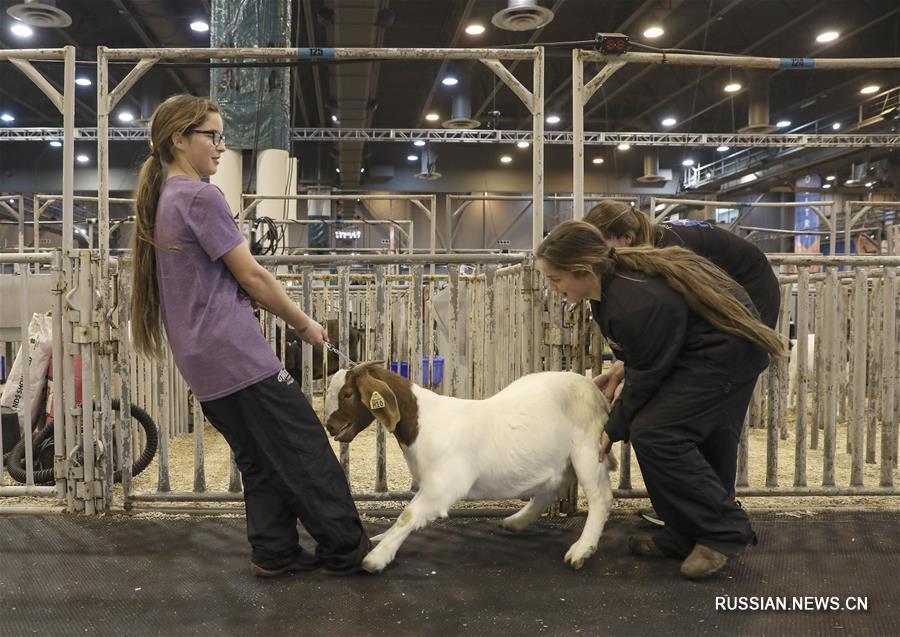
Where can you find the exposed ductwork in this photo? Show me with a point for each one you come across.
(357, 23)
(461, 111)
(652, 174)
(758, 112)
(429, 163)
(40, 13)
(522, 15)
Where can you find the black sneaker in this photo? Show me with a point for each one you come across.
(302, 563)
(650, 515)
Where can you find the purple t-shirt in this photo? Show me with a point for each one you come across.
(217, 343)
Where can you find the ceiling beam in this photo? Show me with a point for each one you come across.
(813, 53)
(137, 26)
(787, 25)
(622, 28)
(512, 67)
(713, 18)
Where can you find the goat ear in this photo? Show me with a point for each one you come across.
(379, 399)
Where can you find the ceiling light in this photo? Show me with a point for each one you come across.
(723, 149)
(475, 29)
(82, 81)
(669, 121)
(597, 160)
(432, 117)
(826, 186)
(362, 170)
(82, 159)
(419, 143)
(126, 117)
(851, 182)
(868, 90)
(687, 162)
(653, 32)
(783, 123)
(6, 117)
(828, 36)
(830, 178)
(21, 30)
(553, 119)
(733, 87)
(449, 81)
(411, 157)
(334, 118)
(199, 26)
(337, 170)
(506, 159)
(56, 143)
(623, 146)
(523, 144)
(746, 179)
(869, 184)
(836, 126)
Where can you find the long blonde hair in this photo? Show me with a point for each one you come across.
(175, 115)
(615, 218)
(578, 247)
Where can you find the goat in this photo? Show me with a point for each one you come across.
(526, 441)
(293, 352)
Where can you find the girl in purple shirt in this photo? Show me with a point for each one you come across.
(194, 276)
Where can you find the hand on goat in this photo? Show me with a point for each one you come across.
(313, 333)
(617, 393)
(609, 381)
(605, 446)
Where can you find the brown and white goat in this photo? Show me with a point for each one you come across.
(525, 441)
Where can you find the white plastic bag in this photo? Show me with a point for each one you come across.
(40, 341)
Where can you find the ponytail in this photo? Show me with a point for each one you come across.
(146, 328)
(577, 246)
(175, 115)
(706, 288)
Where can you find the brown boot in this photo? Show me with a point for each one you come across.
(703, 562)
(642, 545)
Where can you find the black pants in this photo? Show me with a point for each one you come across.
(686, 443)
(289, 473)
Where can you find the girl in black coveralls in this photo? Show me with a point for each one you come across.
(623, 226)
(692, 349)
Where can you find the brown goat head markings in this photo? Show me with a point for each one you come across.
(368, 390)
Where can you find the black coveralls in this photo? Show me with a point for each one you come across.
(289, 473)
(743, 261)
(687, 389)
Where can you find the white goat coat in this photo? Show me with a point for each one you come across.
(514, 444)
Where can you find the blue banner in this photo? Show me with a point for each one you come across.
(805, 217)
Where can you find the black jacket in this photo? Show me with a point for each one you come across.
(660, 340)
(743, 261)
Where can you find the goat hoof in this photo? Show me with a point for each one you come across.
(576, 555)
(374, 564)
(513, 525)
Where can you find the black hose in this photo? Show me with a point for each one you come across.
(15, 462)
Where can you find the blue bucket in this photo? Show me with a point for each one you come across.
(402, 368)
(438, 365)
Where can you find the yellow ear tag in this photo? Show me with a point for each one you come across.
(376, 401)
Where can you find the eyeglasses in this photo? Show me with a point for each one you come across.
(216, 137)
